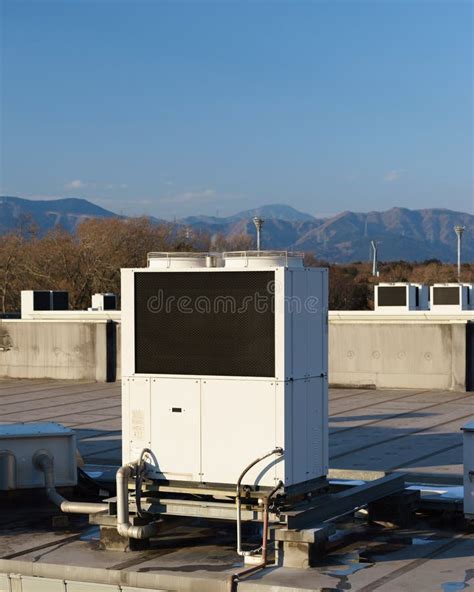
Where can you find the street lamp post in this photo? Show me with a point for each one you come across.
(258, 225)
(458, 229)
(374, 258)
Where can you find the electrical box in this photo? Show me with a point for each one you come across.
(468, 453)
(224, 359)
(400, 297)
(18, 444)
(104, 301)
(37, 300)
(451, 298)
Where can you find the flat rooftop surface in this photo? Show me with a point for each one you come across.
(414, 431)
(199, 558)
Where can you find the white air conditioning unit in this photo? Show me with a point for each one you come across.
(451, 298)
(40, 300)
(223, 359)
(400, 297)
(104, 301)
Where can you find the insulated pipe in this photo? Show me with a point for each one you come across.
(7, 470)
(124, 528)
(43, 460)
(238, 502)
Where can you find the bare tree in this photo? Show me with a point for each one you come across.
(90, 261)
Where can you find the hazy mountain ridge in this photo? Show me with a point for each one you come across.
(401, 233)
(46, 214)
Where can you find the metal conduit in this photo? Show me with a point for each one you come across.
(124, 527)
(43, 460)
(235, 578)
(278, 450)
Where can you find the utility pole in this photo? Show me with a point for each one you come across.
(374, 258)
(458, 229)
(258, 225)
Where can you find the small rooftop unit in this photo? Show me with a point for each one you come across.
(19, 442)
(104, 301)
(37, 300)
(400, 297)
(451, 298)
(224, 358)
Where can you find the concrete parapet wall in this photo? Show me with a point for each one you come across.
(53, 349)
(381, 354)
(363, 351)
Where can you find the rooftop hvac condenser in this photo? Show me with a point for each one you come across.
(401, 297)
(104, 301)
(223, 359)
(451, 298)
(41, 300)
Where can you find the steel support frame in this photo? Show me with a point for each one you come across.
(299, 532)
(337, 504)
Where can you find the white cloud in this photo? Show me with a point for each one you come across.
(191, 196)
(76, 184)
(394, 175)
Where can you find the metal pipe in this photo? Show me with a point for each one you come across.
(278, 450)
(275, 489)
(124, 527)
(139, 474)
(7, 470)
(43, 460)
(234, 579)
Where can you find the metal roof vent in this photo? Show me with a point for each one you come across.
(259, 259)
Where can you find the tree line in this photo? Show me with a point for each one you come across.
(89, 261)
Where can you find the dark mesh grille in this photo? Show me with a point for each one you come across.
(41, 300)
(50, 300)
(110, 302)
(205, 323)
(392, 296)
(60, 300)
(446, 295)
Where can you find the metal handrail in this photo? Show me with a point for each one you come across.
(251, 254)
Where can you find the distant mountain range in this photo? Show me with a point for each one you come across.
(46, 214)
(402, 234)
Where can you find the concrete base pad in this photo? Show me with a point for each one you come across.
(301, 549)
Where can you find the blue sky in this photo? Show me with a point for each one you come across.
(177, 108)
